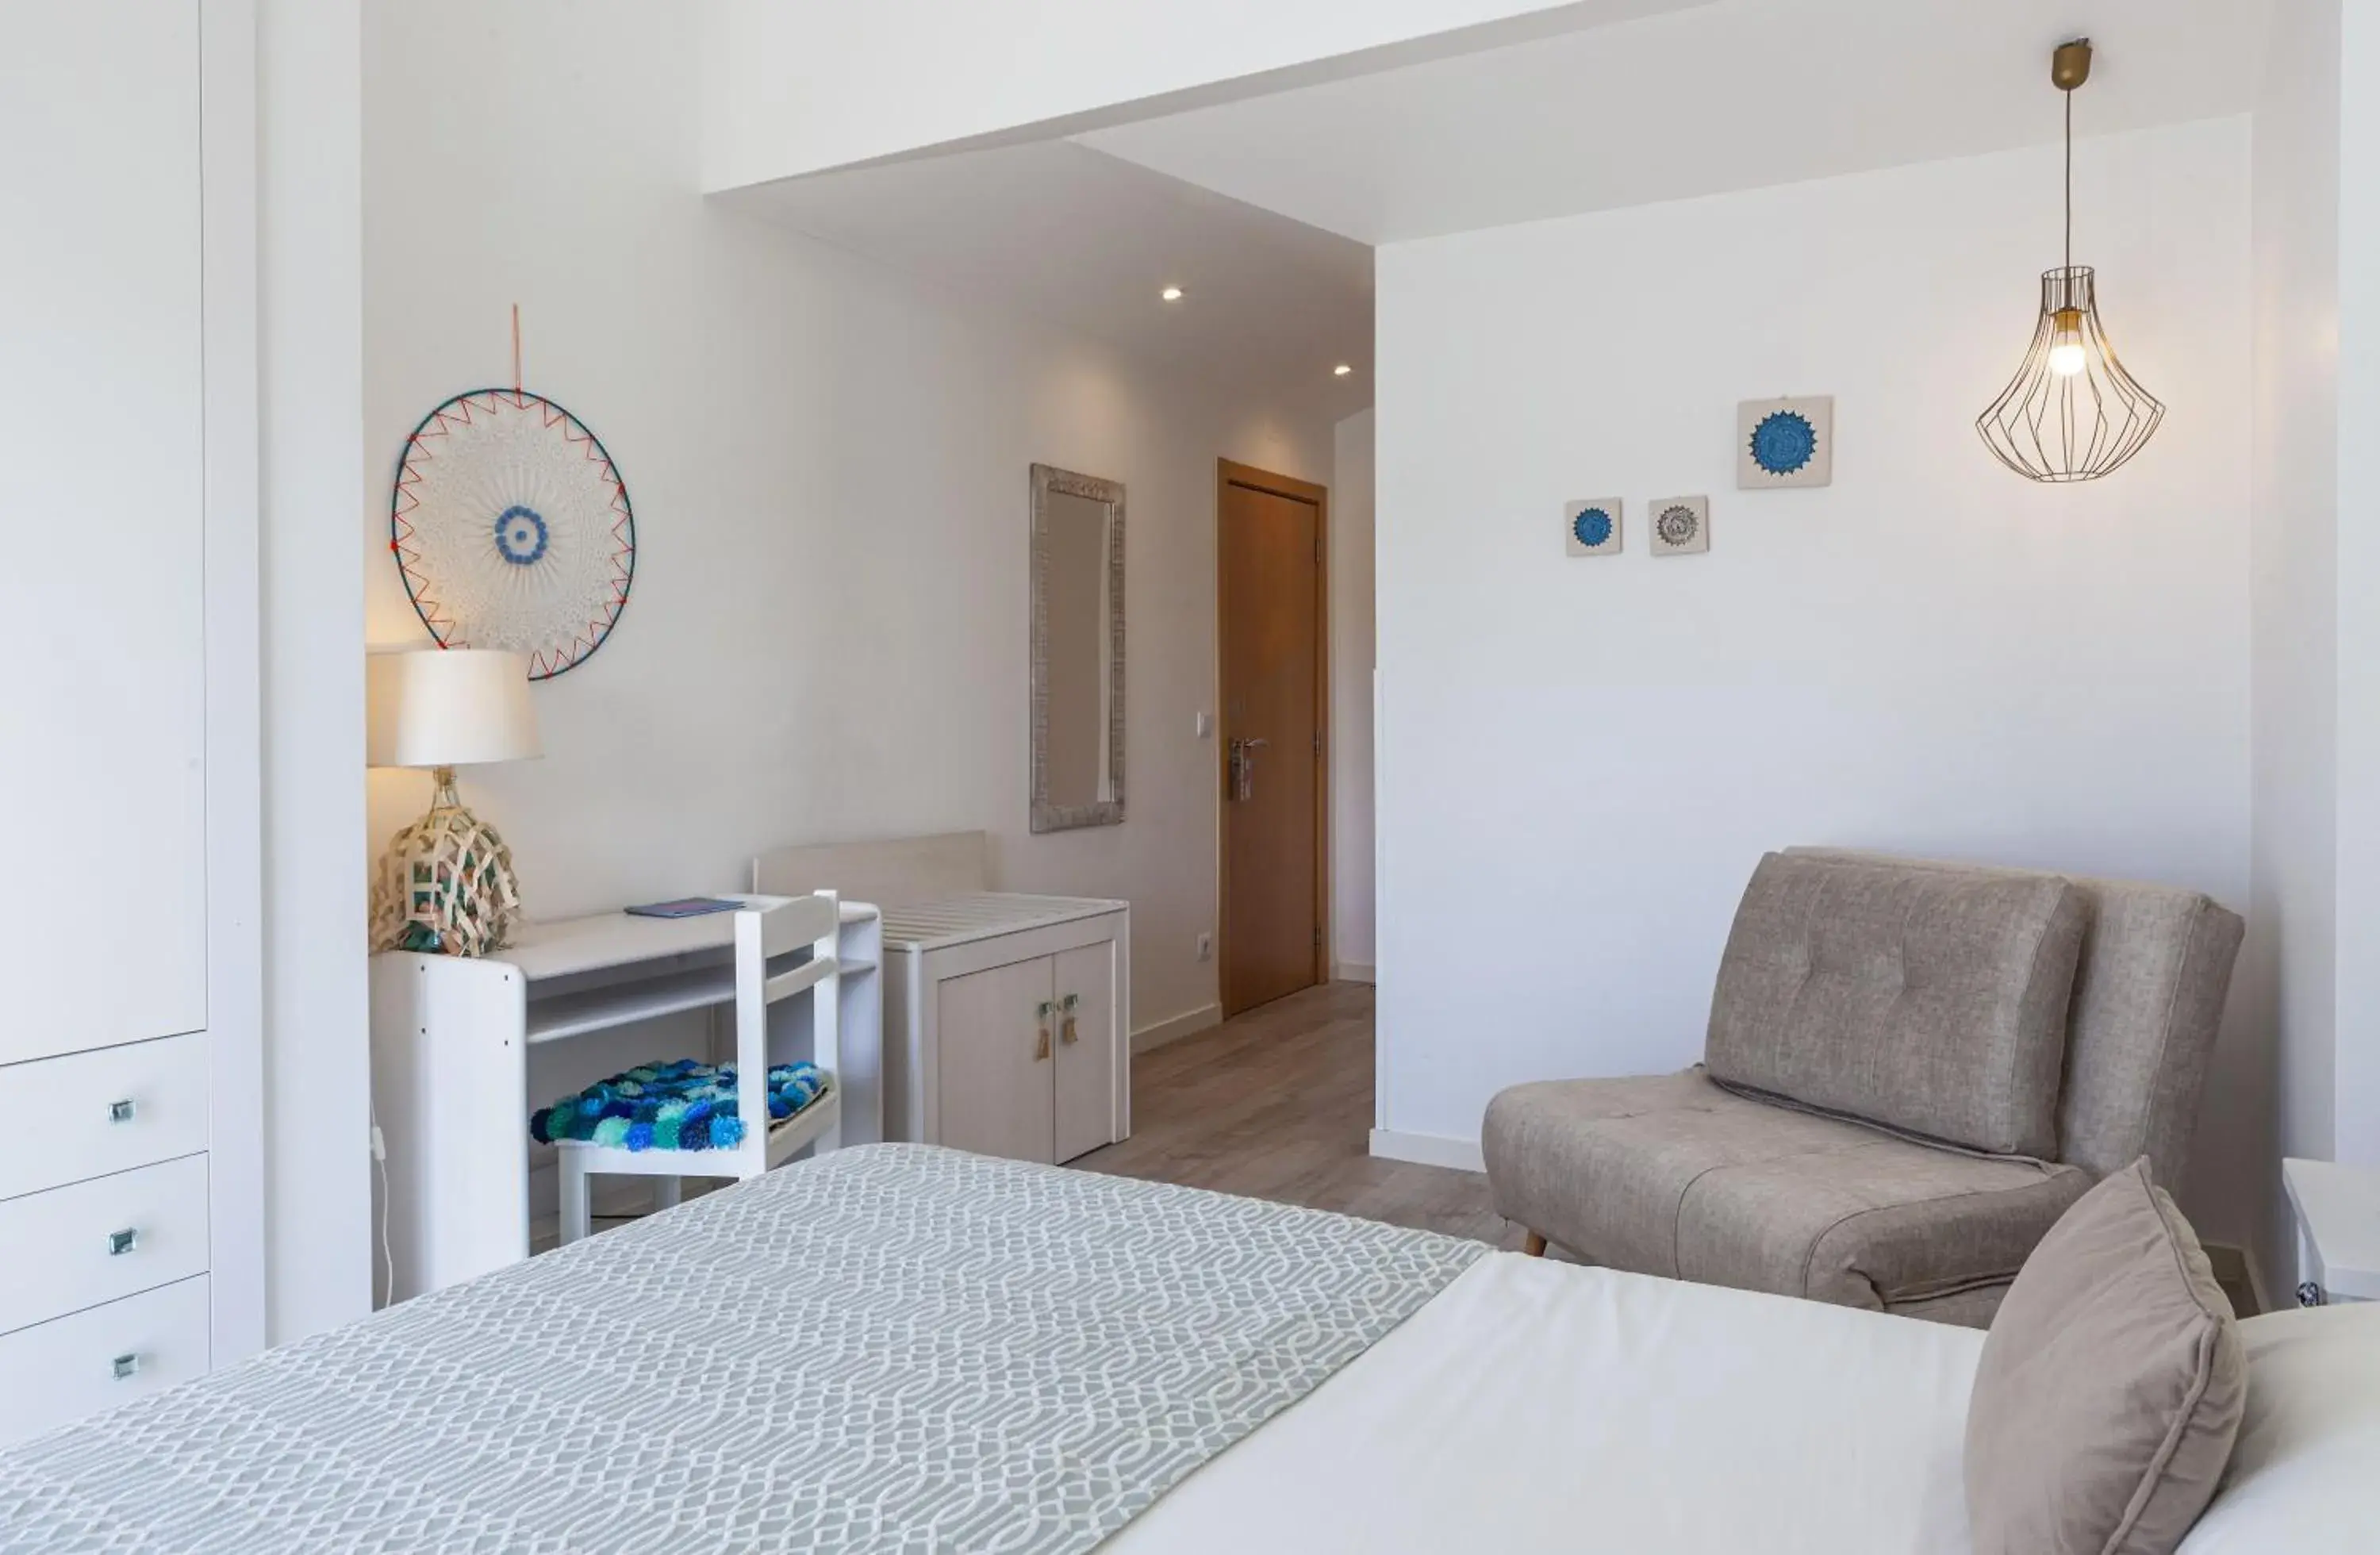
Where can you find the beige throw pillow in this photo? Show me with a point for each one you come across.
(2111, 1386)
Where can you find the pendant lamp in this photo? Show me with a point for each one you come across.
(2071, 412)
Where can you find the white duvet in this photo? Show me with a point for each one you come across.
(1535, 1406)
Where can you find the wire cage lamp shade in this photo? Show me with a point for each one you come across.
(2071, 412)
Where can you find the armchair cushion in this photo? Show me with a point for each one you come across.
(1926, 1000)
(1674, 1175)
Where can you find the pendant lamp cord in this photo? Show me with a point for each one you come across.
(2069, 187)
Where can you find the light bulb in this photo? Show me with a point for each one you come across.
(2067, 355)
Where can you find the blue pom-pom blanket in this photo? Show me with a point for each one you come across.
(679, 1106)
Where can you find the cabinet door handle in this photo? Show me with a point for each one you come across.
(1041, 1041)
(120, 1112)
(124, 1367)
(122, 1241)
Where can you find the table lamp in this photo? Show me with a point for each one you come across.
(446, 883)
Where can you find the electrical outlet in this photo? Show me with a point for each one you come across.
(1206, 947)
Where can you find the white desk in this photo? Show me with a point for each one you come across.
(2339, 1229)
(450, 1062)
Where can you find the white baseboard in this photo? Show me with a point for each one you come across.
(1354, 972)
(1428, 1149)
(1189, 1023)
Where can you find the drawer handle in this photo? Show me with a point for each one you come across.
(121, 1111)
(124, 1367)
(122, 1241)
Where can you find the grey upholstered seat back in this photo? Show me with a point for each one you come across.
(2147, 1001)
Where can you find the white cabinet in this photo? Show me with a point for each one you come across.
(131, 1162)
(1006, 1024)
(102, 491)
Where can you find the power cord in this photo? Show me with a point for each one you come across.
(387, 1259)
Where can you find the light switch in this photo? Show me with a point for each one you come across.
(1206, 724)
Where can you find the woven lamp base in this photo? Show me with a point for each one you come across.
(446, 887)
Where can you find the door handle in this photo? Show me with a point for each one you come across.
(1067, 1028)
(1244, 775)
(1042, 1043)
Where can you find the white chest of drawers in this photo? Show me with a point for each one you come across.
(104, 1225)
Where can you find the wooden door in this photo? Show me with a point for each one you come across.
(999, 1096)
(1085, 1061)
(1272, 594)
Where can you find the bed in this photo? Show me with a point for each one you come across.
(899, 1347)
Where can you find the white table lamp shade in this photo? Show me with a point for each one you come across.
(448, 708)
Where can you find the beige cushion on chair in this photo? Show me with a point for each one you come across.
(2148, 997)
(1673, 1176)
(2111, 1387)
(1930, 1000)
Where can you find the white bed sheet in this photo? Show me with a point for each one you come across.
(1540, 1406)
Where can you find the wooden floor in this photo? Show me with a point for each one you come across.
(1277, 1103)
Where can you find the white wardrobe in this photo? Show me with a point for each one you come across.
(131, 1142)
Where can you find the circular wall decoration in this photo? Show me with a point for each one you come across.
(1591, 528)
(1783, 443)
(1677, 525)
(512, 528)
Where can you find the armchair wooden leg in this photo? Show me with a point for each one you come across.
(1533, 1244)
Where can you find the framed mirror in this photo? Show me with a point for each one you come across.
(1077, 651)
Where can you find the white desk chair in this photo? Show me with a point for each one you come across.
(768, 934)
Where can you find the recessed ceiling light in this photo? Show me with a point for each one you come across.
(1171, 294)
(1341, 370)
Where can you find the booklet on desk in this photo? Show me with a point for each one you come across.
(684, 906)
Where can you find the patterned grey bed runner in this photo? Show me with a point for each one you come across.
(895, 1348)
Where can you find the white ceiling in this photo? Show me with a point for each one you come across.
(1264, 209)
(1088, 242)
(1740, 94)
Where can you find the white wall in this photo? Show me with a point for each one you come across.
(2356, 1105)
(826, 637)
(1350, 697)
(796, 88)
(310, 424)
(1581, 759)
(2288, 967)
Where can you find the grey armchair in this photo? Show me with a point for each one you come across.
(1912, 1070)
